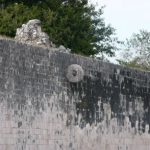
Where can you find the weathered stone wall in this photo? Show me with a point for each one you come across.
(48, 104)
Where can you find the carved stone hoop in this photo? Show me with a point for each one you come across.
(75, 73)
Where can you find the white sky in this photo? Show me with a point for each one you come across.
(126, 16)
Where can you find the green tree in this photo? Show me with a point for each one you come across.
(137, 51)
(71, 23)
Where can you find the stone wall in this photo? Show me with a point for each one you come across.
(51, 100)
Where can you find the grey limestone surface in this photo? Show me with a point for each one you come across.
(48, 104)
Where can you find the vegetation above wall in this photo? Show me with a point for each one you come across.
(74, 24)
(136, 53)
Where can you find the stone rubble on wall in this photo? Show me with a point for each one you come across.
(31, 33)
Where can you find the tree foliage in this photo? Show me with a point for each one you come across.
(137, 51)
(71, 23)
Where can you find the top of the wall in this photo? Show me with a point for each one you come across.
(8, 47)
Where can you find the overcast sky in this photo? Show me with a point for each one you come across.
(126, 16)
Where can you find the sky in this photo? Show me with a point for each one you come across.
(126, 16)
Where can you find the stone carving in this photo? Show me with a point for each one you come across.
(75, 73)
(31, 33)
